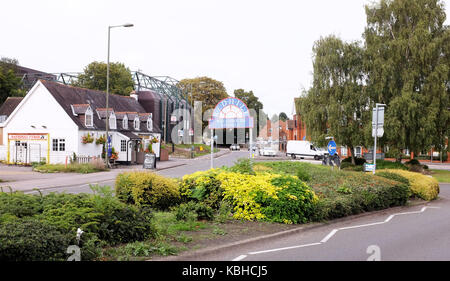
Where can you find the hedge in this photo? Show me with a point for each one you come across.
(147, 188)
(422, 186)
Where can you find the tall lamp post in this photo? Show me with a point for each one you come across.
(107, 90)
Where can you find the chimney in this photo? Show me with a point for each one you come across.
(134, 95)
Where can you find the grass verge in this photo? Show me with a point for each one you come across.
(441, 175)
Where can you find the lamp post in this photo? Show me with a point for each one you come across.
(107, 90)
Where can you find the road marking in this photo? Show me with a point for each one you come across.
(333, 232)
(241, 257)
(282, 249)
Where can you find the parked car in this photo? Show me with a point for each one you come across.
(300, 149)
(267, 151)
(235, 147)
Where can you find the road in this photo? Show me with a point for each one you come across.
(104, 178)
(418, 233)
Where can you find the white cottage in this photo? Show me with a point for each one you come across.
(54, 122)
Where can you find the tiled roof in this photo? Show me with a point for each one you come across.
(80, 108)
(9, 105)
(67, 96)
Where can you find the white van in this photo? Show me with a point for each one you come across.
(300, 149)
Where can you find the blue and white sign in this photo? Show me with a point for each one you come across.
(369, 167)
(109, 146)
(331, 147)
(231, 113)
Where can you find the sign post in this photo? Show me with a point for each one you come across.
(377, 121)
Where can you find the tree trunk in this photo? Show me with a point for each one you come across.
(352, 154)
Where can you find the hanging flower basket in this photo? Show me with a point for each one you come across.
(87, 139)
(101, 140)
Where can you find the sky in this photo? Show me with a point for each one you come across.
(258, 45)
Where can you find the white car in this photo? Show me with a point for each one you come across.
(235, 147)
(267, 151)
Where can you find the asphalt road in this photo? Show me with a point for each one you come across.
(193, 166)
(418, 233)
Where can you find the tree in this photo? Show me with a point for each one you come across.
(9, 82)
(252, 102)
(337, 103)
(283, 116)
(94, 77)
(204, 89)
(408, 69)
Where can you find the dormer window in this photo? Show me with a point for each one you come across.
(125, 122)
(137, 123)
(89, 118)
(112, 121)
(150, 123)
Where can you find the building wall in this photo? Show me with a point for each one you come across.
(40, 113)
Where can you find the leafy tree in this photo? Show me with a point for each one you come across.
(283, 116)
(9, 82)
(337, 103)
(204, 89)
(408, 69)
(94, 77)
(252, 102)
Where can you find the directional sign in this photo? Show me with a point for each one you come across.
(378, 117)
(331, 148)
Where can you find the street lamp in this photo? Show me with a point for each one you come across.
(107, 90)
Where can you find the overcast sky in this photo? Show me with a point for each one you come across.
(264, 46)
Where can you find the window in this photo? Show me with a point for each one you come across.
(358, 151)
(123, 145)
(58, 145)
(88, 121)
(343, 151)
(125, 122)
(112, 121)
(136, 123)
(149, 124)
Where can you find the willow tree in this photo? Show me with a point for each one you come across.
(408, 69)
(337, 104)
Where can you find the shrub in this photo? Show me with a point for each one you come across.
(243, 166)
(203, 187)
(422, 186)
(384, 164)
(416, 168)
(358, 161)
(147, 188)
(293, 203)
(303, 175)
(19, 204)
(30, 239)
(413, 162)
(201, 210)
(393, 176)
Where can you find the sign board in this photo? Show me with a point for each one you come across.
(369, 156)
(109, 146)
(380, 123)
(24, 137)
(180, 133)
(149, 161)
(191, 132)
(369, 167)
(173, 119)
(231, 113)
(331, 147)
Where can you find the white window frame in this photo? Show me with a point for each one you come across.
(125, 122)
(89, 113)
(112, 121)
(344, 151)
(137, 123)
(360, 151)
(149, 123)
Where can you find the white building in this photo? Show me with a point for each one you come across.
(50, 123)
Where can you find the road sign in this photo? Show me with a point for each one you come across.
(380, 117)
(369, 167)
(331, 147)
(380, 131)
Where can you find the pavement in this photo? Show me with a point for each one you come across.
(23, 179)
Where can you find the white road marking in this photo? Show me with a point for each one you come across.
(282, 249)
(333, 232)
(241, 257)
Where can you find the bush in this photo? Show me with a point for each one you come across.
(147, 188)
(303, 175)
(70, 168)
(393, 176)
(203, 187)
(30, 239)
(358, 161)
(19, 204)
(201, 210)
(413, 162)
(293, 203)
(422, 186)
(384, 164)
(243, 166)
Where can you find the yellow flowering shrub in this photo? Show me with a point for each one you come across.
(422, 186)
